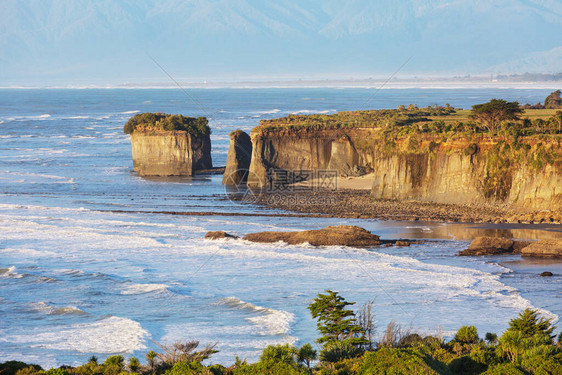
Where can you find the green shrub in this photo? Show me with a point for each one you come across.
(395, 361)
(336, 351)
(466, 365)
(184, 368)
(467, 335)
(161, 121)
(11, 367)
(504, 369)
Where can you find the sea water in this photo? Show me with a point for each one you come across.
(87, 269)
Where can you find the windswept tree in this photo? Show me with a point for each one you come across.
(335, 321)
(553, 100)
(491, 114)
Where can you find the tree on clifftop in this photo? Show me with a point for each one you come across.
(491, 114)
(554, 100)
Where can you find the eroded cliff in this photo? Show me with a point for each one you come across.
(524, 173)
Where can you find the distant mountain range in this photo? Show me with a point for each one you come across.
(97, 41)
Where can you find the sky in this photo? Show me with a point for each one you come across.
(113, 42)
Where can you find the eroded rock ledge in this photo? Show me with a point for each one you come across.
(550, 248)
(343, 235)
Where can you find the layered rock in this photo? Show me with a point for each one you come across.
(238, 160)
(431, 169)
(343, 235)
(170, 153)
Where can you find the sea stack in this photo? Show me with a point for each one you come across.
(169, 145)
(238, 160)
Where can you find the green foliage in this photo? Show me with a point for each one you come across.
(466, 365)
(525, 333)
(11, 367)
(335, 321)
(553, 100)
(134, 364)
(161, 121)
(273, 354)
(504, 369)
(543, 359)
(467, 335)
(275, 359)
(491, 114)
(395, 361)
(366, 119)
(305, 354)
(114, 360)
(337, 351)
(492, 338)
(57, 371)
(529, 324)
(185, 368)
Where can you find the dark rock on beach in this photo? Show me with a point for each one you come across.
(217, 235)
(489, 246)
(343, 235)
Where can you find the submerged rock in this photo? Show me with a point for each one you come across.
(343, 235)
(219, 234)
(546, 274)
(544, 249)
(488, 246)
(238, 160)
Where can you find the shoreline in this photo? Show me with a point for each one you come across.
(358, 204)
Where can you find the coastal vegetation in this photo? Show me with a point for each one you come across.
(346, 346)
(157, 122)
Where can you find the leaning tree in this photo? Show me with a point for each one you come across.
(491, 114)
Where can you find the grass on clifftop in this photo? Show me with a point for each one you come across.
(153, 123)
(433, 120)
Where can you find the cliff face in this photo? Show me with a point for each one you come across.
(173, 153)
(427, 169)
(238, 160)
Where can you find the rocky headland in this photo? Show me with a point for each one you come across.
(433, 163)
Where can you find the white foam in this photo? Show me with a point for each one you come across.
(144, 288)
(270, 112)
(110, 335)
(53, 310)
(28, 252)
(268, 322)
(313, 111)
(128, 112)
(10, 272)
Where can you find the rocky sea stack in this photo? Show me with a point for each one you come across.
(169, 145)
(238, 160)
(343, 235)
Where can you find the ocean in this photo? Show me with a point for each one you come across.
(87, 269)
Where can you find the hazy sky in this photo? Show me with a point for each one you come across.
(60, 42)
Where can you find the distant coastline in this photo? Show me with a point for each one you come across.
(531, 81)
